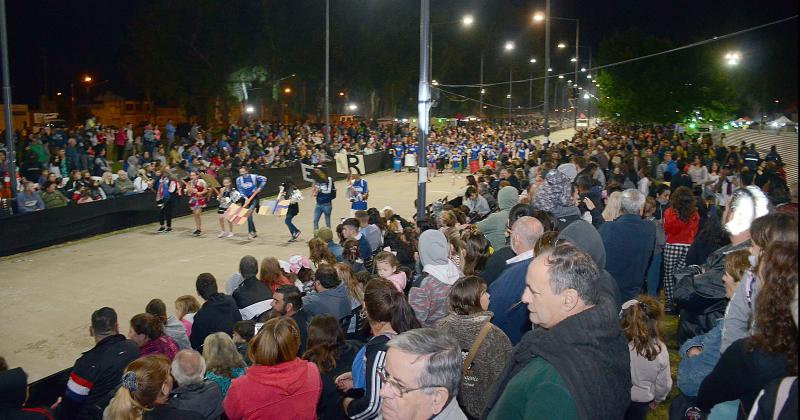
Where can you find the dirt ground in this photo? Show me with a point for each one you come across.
(49, 294)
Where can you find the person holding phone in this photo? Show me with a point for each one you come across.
(249, 185)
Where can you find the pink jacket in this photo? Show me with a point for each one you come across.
(399, 280)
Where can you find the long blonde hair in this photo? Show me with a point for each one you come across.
(345, 274)
(142, 383)
(221, 355)
(613, 207)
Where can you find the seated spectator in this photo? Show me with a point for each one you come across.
(350, 230)
(279, 385)
(98, 371)
(193, 392)
(147, 331)
(243, 332)
(144, 394)
(370, 231)
(333, 355)
(14, 396)
(52, 197)
(356, 292)
(494, 225)
(223, 361)
(252, 297)
(510, 316)
(124, 183)
(576, 339)
(650, 373)
(555, 196)
(186, 308)
(331, 295)
(326, 235)
(749, 364)
(429, 300)
(109, 186)
(421, 359)
(478, 206)
(172, 327)
(29, 200)
(485, 346)
(319, 253)
(629, 242)
(289, 302)
(142, 182)
(271, 274)
(388, 268)
(219, 313)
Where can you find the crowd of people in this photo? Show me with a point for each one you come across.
(537, 293)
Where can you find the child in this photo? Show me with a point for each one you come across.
(186, 307)
(226, 196)
(198, 192)
(243, 332)
(388, 268)
(650, 372)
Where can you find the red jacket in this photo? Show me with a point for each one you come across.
(289, 390)
(120, 138)
(678, 231)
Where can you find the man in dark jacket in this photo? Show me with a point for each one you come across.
(218, 314)
(584, 185)
(194, 392)
(99, 371)
(629, 242)
(554, 370)
(497, 261)
(252, 297)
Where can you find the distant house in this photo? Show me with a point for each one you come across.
(117, 111)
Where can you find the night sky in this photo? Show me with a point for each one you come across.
(53, 42)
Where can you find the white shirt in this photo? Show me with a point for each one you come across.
(521, 257)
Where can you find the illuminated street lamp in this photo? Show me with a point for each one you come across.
(561, 45)
(341, 93)
(509, 46)
(573, 59)
(287, 90)
(250, 109)
(352, 107)
(87, 79)
(467, 20)
(538, 17)
(733, 57)
(532, 60)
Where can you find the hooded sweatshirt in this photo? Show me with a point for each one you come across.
(430, 300)
(288, 390)
(335, 301)
(204, 398)
(494, 225)
(13, 386)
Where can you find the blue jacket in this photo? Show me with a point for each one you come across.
(28, 202)
(249, 183)
(629, 242)
(505, 292)
(692, 370)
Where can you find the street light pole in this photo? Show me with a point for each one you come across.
(12, 155)
(575, 86)
(510, 84)
(546, 74)
(423, 105)
(480, 102)
(327, 72)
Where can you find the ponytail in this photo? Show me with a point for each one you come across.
(123, 407)
(403, 316)
(639, 320)
(384, 303)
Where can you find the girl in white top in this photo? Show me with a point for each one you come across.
(650, 374)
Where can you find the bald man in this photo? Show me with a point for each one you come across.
(505, 292)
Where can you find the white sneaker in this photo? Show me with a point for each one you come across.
(229, 235)
(221, 234)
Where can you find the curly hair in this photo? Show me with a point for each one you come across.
(641, 324)
(684, 203)
(775, 328)
(477, 247)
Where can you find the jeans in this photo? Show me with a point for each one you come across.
(321, 209)
(292, 228)
(654, 275)
(254, 205)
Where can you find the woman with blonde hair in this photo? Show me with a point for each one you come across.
(613, 207)
(144, 393)
(223, 361)
(271, 274)
(185, 308)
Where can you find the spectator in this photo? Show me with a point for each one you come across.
(147, 331)
(421, 359)
(142, 182)
(318, 253)
(576, 339)
(243, 332)
(193, 391)
(331, 295)
(97, 372)
(699, 290)
(279, 385)
(555, 196)
(487, 347)
(681, 223)
(751, 363)
(146, 384)
(478, 206)
(594, 205)
(710, 238)
(271, 274)
(172, 327)
(650, 373)
(613, 207)
(370, 231)
(28, 200)
(52, 197)
(356, 292)
(494, 225)
(509, 315)
(333, 355)
(14, 397)
(629, 242)
(326, 235)
(388, 314)
(429, 300)
(497, 261)
(477, 249)
(252, 296)
(350, 231)
(109, 187)
(388, 268)
(124, 183)
(186, 308)
(219, 313)
(778, 400)
(289, 302)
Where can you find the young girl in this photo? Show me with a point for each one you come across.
(388, 268)
(226, 196)
(290, 192)
(650, 372)
(198, 191)
(185, 308)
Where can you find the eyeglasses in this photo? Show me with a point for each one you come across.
(386, 378)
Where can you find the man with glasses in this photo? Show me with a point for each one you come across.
(421, 377)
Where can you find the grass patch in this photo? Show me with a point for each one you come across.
(669, 326)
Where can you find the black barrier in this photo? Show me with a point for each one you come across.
(29, 231)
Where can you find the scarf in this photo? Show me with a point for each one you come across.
(445, 273)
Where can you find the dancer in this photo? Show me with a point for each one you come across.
(358, 193)
(411, 156)
(290, 192)
(198, 191)
(249, 185)
(226, 196)
(167, 190)
(324, 191)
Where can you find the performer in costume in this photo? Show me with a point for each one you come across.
(198, 191)
(226, 196)
(397, 156)
(474, 158)
(289, 191)
(358, 192)
(442, 153)
(167, 190)
(455, 159)
(431, 158)
(249, 185)
(411, 156)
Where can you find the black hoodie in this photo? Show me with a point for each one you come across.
(218, 314)
(13, 387)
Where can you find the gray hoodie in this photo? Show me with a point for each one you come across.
(175, 329)
(494, 226)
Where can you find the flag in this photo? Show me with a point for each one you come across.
(236, 214)
(273, 207)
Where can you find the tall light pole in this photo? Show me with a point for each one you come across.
(509, 47)
(577, 60)
(530, 87)
(327, 71)
(423, 105)
(12, 156)
(480, 102)
(546, 70)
